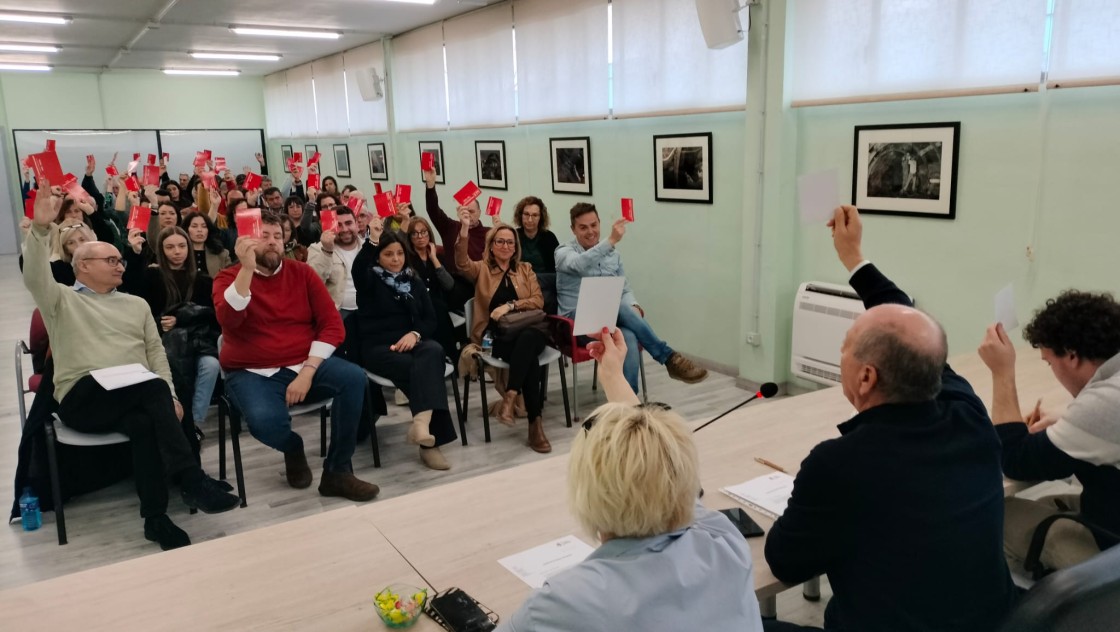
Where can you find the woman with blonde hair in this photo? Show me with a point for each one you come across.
(504, 284)
(665, 562)
(69, 237)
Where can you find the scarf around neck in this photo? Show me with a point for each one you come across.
(401, 282)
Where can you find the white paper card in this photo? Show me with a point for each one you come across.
(541, 562)
(115, 377)
(599, 298)
(817, 197)
(1005, 307)
(768, 494)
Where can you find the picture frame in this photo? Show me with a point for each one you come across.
(309, 151)
(906, 169)
(682, 165)
(571, 165)
(341, 160)
(378, 161)
(490, 164)
(435, 147)
(285, 155)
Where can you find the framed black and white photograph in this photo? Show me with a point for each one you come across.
(683, 168)
(490, 160)
(285, 156)
(378, 163)
(342, 160)
(434, 147)
(571, 165)
(309, 151)
(908, 170)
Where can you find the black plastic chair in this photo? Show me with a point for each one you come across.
(1082, 598)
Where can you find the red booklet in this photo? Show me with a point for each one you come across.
(314, 159)
(206, 153)
(131, 184)
(151, 159)
(50, 144)
(112, 170)
(494, 207)
(252, 181)
(384, 204)
(209, 179)
(29, 204)
(403, 193)
(136, 157)
(427, 161)
(151, 175)
(469, 193)
(328, 220)
(219, 164)
(298, 156)
(46, 167)
(199, 159)
(628, 209)
(356, 204)
(377, 188)
(166, 156)
(249, 223)
(313, 180)
(73, 188)
(139, 218)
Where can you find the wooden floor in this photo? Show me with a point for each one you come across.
(105, 526)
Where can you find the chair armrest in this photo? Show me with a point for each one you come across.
(1033, 561)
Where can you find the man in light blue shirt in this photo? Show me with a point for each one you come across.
(586, 256)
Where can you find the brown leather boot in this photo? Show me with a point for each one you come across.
(537, 441)
(296, 469)
(348, 486)
(505, 411)
(683, 369)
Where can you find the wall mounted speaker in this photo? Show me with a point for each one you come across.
(719, 20)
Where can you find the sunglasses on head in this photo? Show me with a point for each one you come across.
(591, 419)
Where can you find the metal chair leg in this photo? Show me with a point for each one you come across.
(221, 439)
(811, 590)
(323, 431)
(642, 374)
(564, 392)
(575, 391)
(458, 406)
(238, 469)
(373, 429)
(485, 406)
(56, 490)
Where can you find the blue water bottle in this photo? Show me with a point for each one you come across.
(29, 510)
(487, 343)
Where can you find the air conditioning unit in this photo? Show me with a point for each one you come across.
(822, 314)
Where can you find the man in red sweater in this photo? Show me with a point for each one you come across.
(448, 229)
(280, 329)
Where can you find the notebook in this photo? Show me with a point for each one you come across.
(768, 494)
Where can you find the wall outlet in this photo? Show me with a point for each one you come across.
(754, 339)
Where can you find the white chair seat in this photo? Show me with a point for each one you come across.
(313, 407)
(387, 383)
(548, 356)
(457, 320)
(69, 436)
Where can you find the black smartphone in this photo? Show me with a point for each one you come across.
(748, 527)
(462, 612)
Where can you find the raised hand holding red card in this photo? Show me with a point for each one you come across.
(427, 161)
(298, 157)
(313, 181)
(403, 193)
(151, 175)
(494, 207)
(628, 209)
(469, 193)
(249, 223)
(356, 203)
(139, 218)
(328, 220)
(131, 184)
(219, 164)
(314, 159)
(384, 204)
(252, 181)
(199, 158)
(46, 167)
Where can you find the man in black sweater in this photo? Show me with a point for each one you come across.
(904, 511)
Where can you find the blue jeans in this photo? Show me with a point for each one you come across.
(261, 401)
(206, 376)
(637, 331)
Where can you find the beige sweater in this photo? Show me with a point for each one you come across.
(89, 331)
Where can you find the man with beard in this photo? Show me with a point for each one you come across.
(332, 258)
(280, 330)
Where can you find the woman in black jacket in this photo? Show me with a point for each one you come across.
(421, 254)
(395, 321)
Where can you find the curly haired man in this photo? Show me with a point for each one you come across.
(1078, 335)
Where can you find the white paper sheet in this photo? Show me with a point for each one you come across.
(599, 298)
(768, 494)
(1005, 307)
(114, 377)
(817, 197)
(541, 562)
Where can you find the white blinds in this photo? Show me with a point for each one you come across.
(330, 96)
(480, 67)
(661, 64)
(419, 94)
(301, 96)
(366, 117)
(558, 79)
(845, 49)
(277, 107)
(1085, 44)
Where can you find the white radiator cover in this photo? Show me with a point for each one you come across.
(822, 314)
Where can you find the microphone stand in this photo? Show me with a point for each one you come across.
(729, 411)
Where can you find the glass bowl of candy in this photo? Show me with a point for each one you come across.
(400, 605)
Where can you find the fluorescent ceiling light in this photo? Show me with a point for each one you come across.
(415, 1)
(240, 30)
(34, 18)
(242, 56)
(29, 48)
(32, 67)
(212, 73)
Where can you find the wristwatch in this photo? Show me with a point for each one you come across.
(418, 337)
(512, 305)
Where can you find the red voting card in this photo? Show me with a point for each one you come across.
(298, 156)
(46, 167)
(29, 204)
(206, 153)
(199, 158)
(208, 179)
(166, 156)
(427, 161)
(136, 157)
(494, 207)
(377, 188)
(249, 223)
(313, 181)
(219, 164)
(252, 181)
(628, 209)
(131, 184)
(384, 204)
(314, 159)
(73, 188)
(328, 220)
(356, 204)
(50, 144)
(139, 218)
(112, 170)
(151, 159)
(151, 175)
(469, 193)
(403, 193)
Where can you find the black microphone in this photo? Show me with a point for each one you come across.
(767, 390)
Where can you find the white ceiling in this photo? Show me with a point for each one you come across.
(157, 34)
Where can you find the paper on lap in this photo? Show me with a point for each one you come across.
(114, 377)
